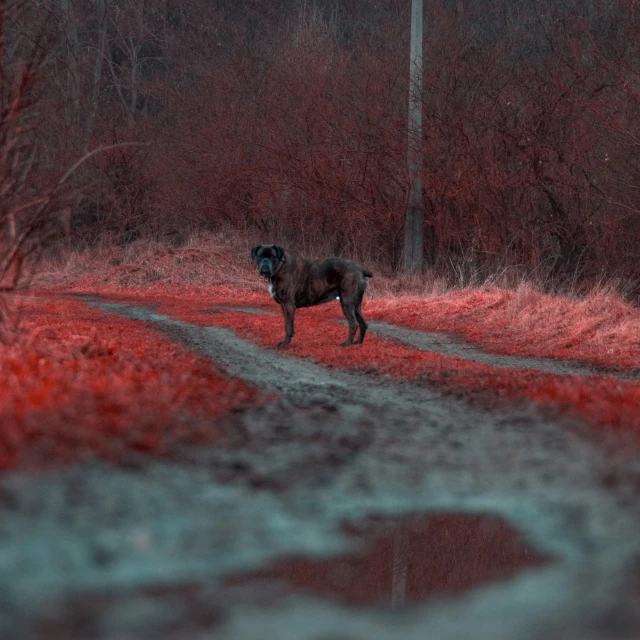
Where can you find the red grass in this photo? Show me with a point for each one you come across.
(83, 383)
(600, 400)
(600, 328)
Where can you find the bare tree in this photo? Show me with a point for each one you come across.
(96, 75)
(17, 124)
(134, 44)
(28, 202)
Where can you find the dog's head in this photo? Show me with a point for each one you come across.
(268, 257)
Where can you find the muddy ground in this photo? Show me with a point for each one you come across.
(146, 551)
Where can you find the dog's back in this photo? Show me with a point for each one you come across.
(336, 268)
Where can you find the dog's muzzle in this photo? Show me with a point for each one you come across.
(264, 267)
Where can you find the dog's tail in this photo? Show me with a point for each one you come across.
(367, 273)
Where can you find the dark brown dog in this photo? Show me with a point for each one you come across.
(297, 282)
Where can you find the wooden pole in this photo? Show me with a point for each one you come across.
(413, 232)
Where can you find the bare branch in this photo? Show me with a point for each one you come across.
(15, 253)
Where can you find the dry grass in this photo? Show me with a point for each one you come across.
(599, 327)
(209, 269)
(79, 384)
(204, 259)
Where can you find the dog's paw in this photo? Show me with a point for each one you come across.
(282, 343)
(346, 343)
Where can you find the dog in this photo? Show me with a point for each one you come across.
(299, 282)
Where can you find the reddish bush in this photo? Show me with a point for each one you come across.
(288, 121)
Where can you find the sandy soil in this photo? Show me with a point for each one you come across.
(108, 552)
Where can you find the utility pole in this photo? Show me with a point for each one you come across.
(413, 233)
(399, 568)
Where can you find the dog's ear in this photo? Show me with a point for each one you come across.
(279, 252)
(254, 252)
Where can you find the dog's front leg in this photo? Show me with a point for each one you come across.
(289, 311)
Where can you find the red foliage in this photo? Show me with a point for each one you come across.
(600, 400)
(86, 384)
(600, 329)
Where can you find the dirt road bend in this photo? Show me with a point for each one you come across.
(143, 552)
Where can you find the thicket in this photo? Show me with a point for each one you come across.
(286, 120)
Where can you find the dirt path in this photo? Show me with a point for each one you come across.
(337, 446)
(448, 346)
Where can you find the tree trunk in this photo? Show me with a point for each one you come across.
(101, 17)
(413, 233)
(71, 54)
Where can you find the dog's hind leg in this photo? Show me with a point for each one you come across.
(358, 309)
(361, 322)
(349, 310)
